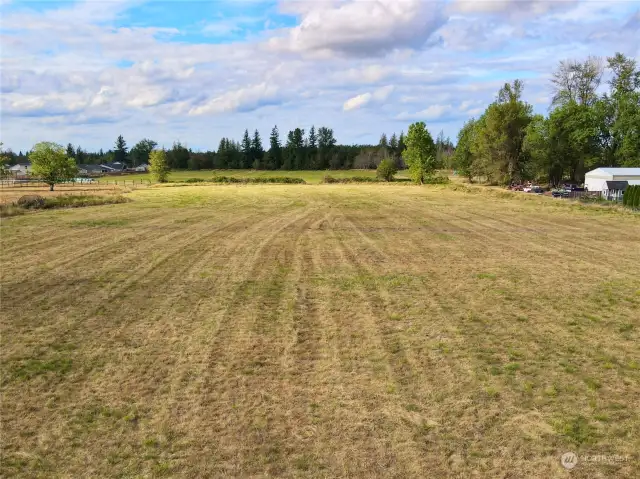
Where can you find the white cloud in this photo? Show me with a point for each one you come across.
(432, 112)
(75, 74)
(381, 94)
(363, 27)
(378, 96)
(535, 7)
(357, 102)
(243, 99)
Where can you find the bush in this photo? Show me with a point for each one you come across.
(194, 180)
(386, 169)
(31, 202)
(352, 179)
(436, 180)
(37, 202)
(77, 201)
(265, 179)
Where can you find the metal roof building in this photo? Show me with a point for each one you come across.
(596, 180)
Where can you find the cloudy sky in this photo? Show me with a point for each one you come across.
(86, 71)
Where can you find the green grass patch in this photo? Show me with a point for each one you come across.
(31, 368)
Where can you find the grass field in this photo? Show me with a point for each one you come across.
(312, 177)
(320, 331)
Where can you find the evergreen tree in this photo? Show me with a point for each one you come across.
(71, 153)
(80, 156)
(393, 144)
(274, 155)
(257, 151)
(120, 153)
(312, 145)
(326, 145)
(247, 151)
(383, 141)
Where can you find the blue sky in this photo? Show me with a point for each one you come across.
(195, 71)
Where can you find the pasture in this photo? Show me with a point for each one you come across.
(312, 177)
(320, 331)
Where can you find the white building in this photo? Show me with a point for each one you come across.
(596, 180)
(20, 169)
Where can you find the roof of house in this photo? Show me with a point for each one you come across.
(617, 185)
(21, 164)
(115, 165)
(614, 172)
(90, 167)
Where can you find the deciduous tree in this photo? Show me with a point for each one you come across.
(50, 163)
(420, 153)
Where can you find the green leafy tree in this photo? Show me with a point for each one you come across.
(463, 156)
(420, 153)
(498, 149)
(4, 160)
(625, 105)
(159, 165)
(50, 163)
(386, 169)
(140, 152)
(120, 152)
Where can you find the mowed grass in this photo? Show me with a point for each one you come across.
(312, 177)
(320, 331)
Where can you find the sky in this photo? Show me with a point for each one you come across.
(84, 72)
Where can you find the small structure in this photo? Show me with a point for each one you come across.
(91, 170)
(142, 168)
(20, 169)
(115, 167)
(596, 180)
(614, 190)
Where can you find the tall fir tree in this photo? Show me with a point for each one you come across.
(247, 151)
(274, 155)
(257, 151)
(120, 152)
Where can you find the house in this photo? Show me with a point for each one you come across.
(596, 180)
(20, 169)
(90, 170)
(115, 167)
(613, 190)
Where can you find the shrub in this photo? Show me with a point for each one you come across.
(636, 197)
(352, 179)
(31, 202)
(436, 180)
(194, 180)
(386, 169)
(265, 179)
(77, 201)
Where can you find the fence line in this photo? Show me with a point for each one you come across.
(31, 183)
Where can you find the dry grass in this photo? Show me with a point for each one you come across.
(13, 193)
(320, 331)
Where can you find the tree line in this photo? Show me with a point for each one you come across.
(508, 143)
(583, 130)
(316, 149)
